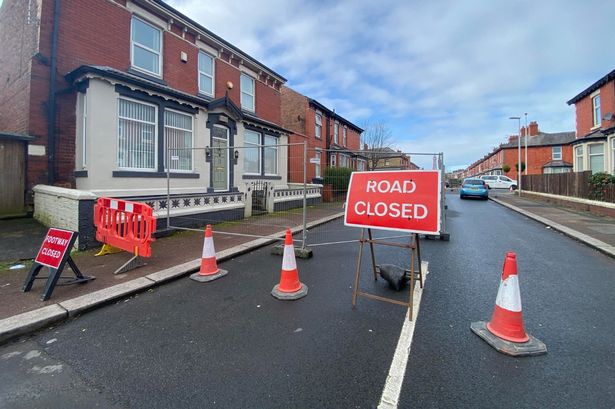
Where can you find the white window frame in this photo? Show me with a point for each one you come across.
(259, 148)
(558, 155)
(212, 76)
(597, 120)
(318, 155)
(133, 43)
(344, 136)
(244, 92)
(318, 125)
(589, 156)
(336, 131)
(333, 160)
(578, 157)
(155, 123)
(164, 132)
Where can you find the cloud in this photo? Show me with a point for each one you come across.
(444, 75)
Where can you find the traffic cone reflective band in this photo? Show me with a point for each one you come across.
(507, 319)
(209, 269)
(289, 288)
(505, 331)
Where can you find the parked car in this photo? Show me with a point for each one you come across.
(474, 188)
(499, 182)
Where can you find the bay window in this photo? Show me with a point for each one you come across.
(596, 157)
(251, 157)
(137, 135)
(178, 139)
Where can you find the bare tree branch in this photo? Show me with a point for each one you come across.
(376, 135)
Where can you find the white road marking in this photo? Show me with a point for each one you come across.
(32, 354)
(395, 379)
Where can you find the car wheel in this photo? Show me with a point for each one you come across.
(462, 197)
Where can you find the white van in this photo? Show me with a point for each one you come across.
(499, 182)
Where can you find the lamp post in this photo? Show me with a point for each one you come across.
(518, 118)
(526, 135)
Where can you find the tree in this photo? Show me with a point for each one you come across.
(522, 166)
(506, 168)
(377, 136)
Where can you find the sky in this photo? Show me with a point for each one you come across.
(445, 76)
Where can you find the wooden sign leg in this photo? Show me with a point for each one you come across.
(371, 247)
(357, 275)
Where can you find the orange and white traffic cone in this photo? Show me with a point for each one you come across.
(505, 331)
(289, 288)
(209, 269)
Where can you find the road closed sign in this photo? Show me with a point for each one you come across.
(54, 247)
(406, 200)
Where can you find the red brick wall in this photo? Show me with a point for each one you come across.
(537, 157)
(584, 110)
(268, 103)
(225, 73)
(294, 108)
(19, 42)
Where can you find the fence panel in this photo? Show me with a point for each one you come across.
(574, 184)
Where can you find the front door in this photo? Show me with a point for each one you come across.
(220, 158)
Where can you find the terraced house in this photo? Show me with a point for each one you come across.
(594, 147)
(96, 90)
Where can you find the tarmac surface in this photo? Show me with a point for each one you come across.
(230, 344)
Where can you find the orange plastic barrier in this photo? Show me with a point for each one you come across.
(125, 225)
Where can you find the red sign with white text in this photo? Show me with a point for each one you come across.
(54, 247)
(406, 200)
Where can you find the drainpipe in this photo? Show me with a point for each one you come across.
(51, 102)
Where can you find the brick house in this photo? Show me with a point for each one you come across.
(594, 147)
(546, 153)
(121, 79)
(388, 159)
(331, 139)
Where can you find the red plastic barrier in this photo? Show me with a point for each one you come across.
(125, 225)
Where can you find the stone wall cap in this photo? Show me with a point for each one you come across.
(65, 192)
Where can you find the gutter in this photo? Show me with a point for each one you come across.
(51, 102)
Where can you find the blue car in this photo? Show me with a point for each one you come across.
(474, 188)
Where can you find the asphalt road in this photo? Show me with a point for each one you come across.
(567, 292)
(229, 344)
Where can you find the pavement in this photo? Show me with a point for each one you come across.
(595, 231)
(178, 255)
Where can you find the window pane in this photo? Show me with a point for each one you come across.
(178, 138)
(247, 102)
(136, 135)
(247, 84)
(206, 63)
(596, 163)
(145, 35)
(271, 155)
(596, 149)
(251, 157)
(145, 59)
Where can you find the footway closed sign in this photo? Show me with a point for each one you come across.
(406, 200)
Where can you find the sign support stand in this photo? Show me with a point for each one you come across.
(412, 274)
(55, 270)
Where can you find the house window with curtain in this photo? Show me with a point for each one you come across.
(271, 155)
(137, 135)
(596, 157)
(146, 46)
(596, 110)
(318, 126)
(578, 158)
(247, 93)
(336, 131)
(251, 156)
(178, 139)
(206, 74)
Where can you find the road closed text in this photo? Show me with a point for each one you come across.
(395, 200)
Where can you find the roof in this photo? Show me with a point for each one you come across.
(557, 164)
(333, 114)
(543, 139)
(236, 50)
(595, 135)
(385, 152)
(207, 103)
(596, 85)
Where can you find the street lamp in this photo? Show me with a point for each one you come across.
(526, 135)
(518, 118)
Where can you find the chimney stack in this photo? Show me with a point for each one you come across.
(533, 131)
(364, 146)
